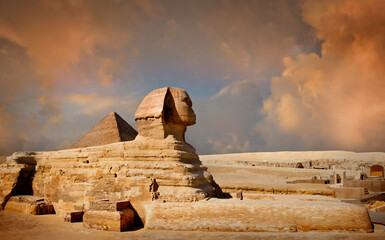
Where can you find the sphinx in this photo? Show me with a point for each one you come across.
(157, 165)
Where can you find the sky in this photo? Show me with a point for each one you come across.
(262, 75)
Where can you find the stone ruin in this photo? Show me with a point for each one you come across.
(156, 179)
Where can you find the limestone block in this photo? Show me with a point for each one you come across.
(107, 205)
(378, 206)
(75, 216)
(109, 220)
(29, 205)
(239, 195)
(9, 174)
(258, 215)
(379, 209)
(349, 192)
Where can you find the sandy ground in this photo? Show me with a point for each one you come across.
(259, 171)
(268, 179)
(235, 175)
(14, 225)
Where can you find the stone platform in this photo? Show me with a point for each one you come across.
(110, 215)
(233, 215)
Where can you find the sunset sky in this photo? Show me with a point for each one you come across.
(262, 75)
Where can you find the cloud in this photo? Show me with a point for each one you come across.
(64, 65)
(225, 122)
(252, 38)
(95, 103)
(57, 34)
(92, 103)
(49, 48)
(333, 101)
(107, 71)
(240, 57)
(9, 138)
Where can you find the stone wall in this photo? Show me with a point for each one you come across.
(72, 178)
(349, 192)
(373, 185)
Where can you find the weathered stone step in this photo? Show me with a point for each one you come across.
(30, 205)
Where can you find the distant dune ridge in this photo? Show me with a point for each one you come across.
(341, 159)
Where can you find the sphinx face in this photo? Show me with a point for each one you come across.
(163, 112)
(180, 106)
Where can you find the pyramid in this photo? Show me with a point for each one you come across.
(113, 128)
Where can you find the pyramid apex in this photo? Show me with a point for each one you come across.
(112, 128)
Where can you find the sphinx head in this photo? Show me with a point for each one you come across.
(165, 111)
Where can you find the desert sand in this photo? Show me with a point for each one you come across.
(17, 226)
(270, 171)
